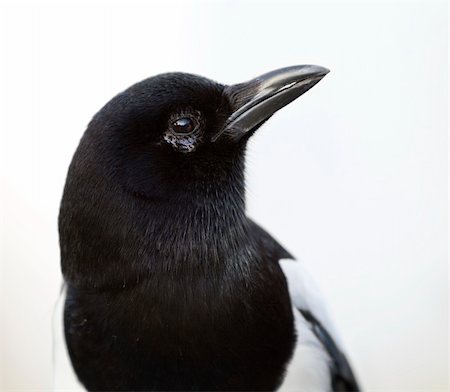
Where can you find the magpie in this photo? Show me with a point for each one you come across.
(168, 284)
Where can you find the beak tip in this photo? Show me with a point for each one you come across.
(318, 70)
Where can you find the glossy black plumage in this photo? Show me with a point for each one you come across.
(204, 331)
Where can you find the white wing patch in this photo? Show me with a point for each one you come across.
(306, 295)
(64, 377)
(309, 369)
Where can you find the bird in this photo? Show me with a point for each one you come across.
(168, 284)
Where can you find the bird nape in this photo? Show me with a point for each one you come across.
(168, 284)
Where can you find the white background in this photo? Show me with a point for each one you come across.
(351, 177)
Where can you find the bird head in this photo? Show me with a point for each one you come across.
(174, 131)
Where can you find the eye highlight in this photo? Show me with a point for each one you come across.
(184, 125)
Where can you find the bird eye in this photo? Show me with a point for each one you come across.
(184, 125)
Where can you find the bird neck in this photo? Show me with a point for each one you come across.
(121, 238)
(204, 220)
(203, 205)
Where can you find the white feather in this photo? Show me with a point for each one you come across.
(309, 368)
(306, 295)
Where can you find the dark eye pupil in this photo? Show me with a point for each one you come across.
(183, 125)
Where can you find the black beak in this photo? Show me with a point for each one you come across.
(255, 101)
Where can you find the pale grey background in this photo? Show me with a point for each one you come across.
(352, 177)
